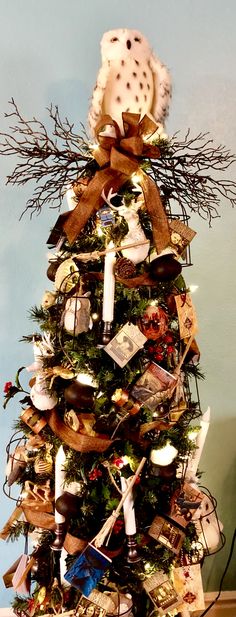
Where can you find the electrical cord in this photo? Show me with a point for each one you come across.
(223, 576)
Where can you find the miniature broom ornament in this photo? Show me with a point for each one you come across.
(109, 523)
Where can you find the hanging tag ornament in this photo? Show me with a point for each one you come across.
(125, 344)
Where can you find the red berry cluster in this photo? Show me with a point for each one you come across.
(118, 526)
(164, 348)
(95, 474)
(118, 462)
(7, 387)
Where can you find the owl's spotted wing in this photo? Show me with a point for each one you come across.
(95, 110)
(162, 89)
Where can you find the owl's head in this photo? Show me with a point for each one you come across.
(123, 43)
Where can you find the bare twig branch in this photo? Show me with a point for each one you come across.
(52, 163)
(187, 170)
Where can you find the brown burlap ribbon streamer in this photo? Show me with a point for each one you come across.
(118, 158)
(77, 441)
(72, 544)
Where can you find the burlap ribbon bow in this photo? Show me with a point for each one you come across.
(118, 158)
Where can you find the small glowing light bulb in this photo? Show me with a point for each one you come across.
(147, 566)
(100, 231)
(85, 379)
(193, 288)
(136, 178)
(192, 435)
(125, 459)
(163, 456)
(95, 316)
(153, 303)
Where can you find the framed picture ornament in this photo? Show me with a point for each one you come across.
(167, 534)
(162, 593)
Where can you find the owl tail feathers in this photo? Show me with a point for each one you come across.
(162, 89)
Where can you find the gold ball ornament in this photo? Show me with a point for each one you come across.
(67, 276)
(71, 419)
(44, 464)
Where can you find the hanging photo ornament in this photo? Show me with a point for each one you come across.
(154, 323)
(127, 342)
(88, 608)
(180, 236)
(167, 534)
(162, 593)
(185, 502)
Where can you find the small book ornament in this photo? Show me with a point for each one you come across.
(154, 386)
(87, 570)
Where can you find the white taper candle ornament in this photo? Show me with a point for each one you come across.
(200, 441)
(59, 480)
(63, 567)
(128, 509)
(109, 285)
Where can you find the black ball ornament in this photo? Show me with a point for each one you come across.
(79, 395)
(165, 268)
(68, 504)
(52, 268)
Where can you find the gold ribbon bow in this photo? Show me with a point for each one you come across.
(118, 158)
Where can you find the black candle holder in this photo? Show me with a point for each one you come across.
(60, 533)
(132, 553)
(106, 333)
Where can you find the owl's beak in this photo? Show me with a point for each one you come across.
(128, 44)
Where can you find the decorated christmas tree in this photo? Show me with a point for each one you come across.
(107, 445)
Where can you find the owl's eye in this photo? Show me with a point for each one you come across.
(114, 39)
(137, 39)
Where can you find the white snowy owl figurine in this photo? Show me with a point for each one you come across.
(131, 79)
